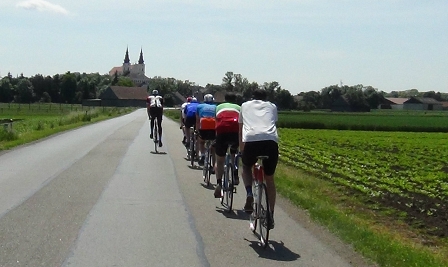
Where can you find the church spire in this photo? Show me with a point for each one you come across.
(140, 60)
(126, 57)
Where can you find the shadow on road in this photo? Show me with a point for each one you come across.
(234, 214)
(210, 187)
(195, 167)
(158, 153)
(275, 251)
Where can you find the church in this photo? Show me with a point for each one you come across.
(136, 72)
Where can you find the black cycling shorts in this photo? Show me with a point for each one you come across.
(190, 122)
(222, 142)
(261, 148)
(207, 134)
(156, 112)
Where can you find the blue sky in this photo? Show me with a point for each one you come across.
(304, 45)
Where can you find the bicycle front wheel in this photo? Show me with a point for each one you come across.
(264, 216)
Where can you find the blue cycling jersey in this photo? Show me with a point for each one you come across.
(206, 110)
(190, 110)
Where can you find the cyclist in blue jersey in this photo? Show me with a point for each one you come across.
(205, 123)
(190, 118)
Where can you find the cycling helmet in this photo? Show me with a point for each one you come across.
(155, 92)
(193, 99)
(189, 99)
(208, 98)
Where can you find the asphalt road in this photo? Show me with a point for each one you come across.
(99, 196)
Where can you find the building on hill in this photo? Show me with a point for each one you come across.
(136, 72)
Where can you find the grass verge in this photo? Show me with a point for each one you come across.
(29, 128)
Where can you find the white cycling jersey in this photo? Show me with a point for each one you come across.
(154, 101)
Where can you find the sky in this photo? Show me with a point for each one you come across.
(304, 45)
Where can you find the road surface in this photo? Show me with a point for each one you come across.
(99, 196)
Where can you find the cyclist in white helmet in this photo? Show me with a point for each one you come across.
(154, 107)
(205, 123)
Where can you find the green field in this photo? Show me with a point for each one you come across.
(415, 121)
(406, 171)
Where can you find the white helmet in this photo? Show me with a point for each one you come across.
(155, 92)
(208, 98)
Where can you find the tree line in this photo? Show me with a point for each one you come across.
(72, 88)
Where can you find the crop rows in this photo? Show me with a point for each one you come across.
(406, 171)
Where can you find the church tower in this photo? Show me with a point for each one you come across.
(141, 63)
(126, 63)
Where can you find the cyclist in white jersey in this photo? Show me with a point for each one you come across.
(154, 107)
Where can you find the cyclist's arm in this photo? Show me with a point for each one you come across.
(240, 137)
(197, 120)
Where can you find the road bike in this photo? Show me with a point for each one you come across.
(208, 167)
(229, 178)
(155, 136)
(193, 147)
(261, 215)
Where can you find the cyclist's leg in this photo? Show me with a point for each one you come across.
(151, 119)
(249, 158)
(188, 124)
(201, 146)
(270, 165)
(220, 151)
(159, 126)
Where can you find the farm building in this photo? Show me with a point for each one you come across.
(393, 103)
(422, 103)
(120, 96)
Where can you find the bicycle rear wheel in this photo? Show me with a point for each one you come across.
(156, 140)
(227, 187)
(264, 217)
(206, 167)
(253, 218)
(192, 150)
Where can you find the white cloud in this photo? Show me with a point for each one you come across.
(42, 5)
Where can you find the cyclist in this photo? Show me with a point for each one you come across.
(190, 119)
(227, 128)
(205, 123)
(154, 107)
(182, 118)
(258, 136)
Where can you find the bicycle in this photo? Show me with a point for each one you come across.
(229, 177)
(192, 149)
(261, 216)
(206, 169)
(155, 136)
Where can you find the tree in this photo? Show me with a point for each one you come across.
(6, 90)
(25, 92)
(125, 81)
(227, 82)
(115, 80)
(68, 88)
